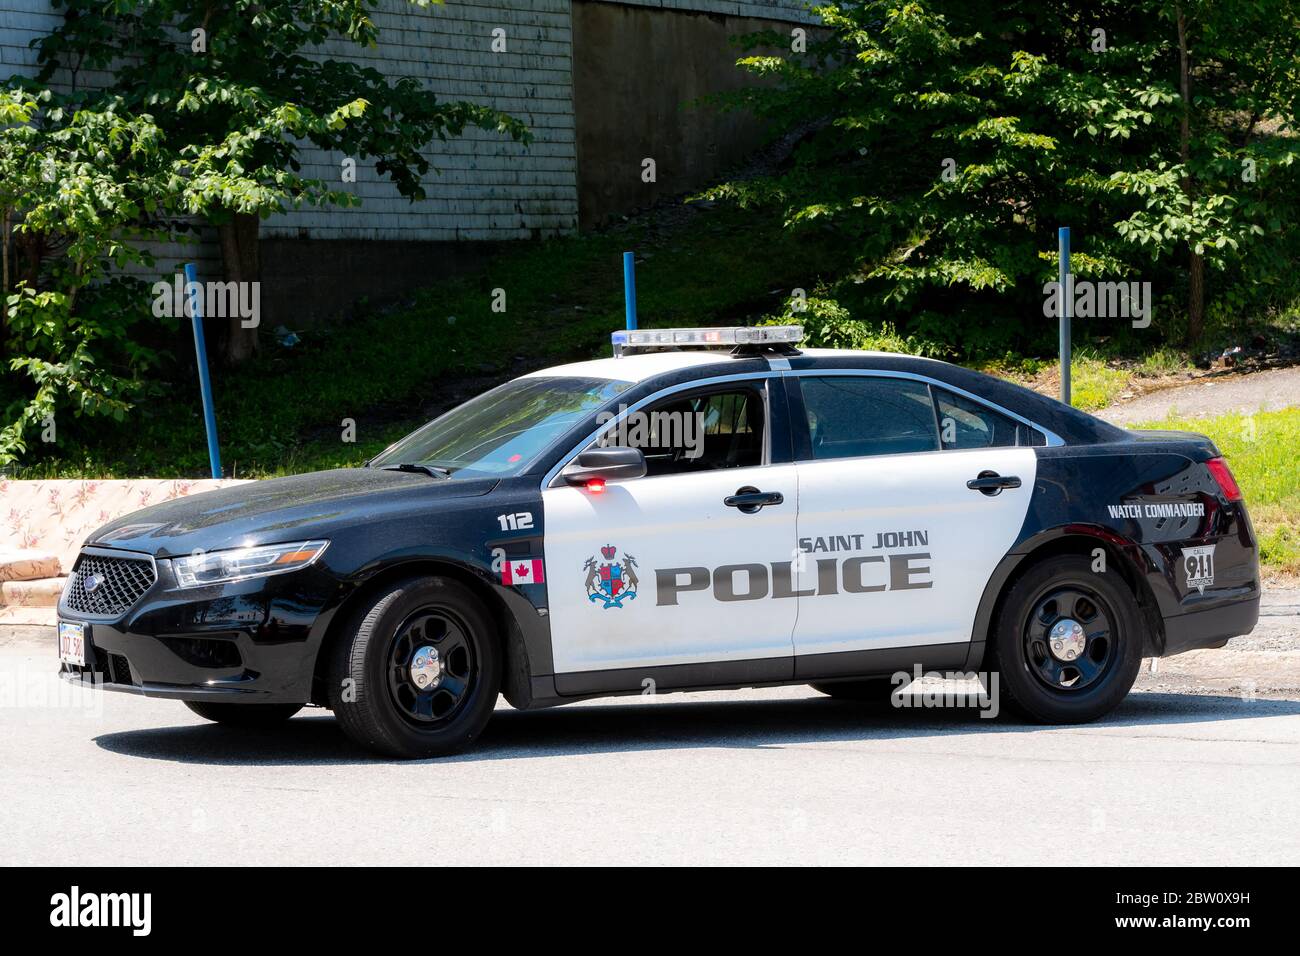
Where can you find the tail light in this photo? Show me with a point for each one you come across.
(1223, 475)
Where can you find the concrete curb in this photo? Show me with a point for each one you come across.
(12, 635)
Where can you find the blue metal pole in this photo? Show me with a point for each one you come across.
(629, 289)
(1066, 291)
(201, 353)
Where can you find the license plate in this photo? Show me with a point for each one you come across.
(72, 643)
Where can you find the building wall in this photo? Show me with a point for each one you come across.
(488, 187)
(482, 186)
(637, 61)
(792, 11)
(644, 64)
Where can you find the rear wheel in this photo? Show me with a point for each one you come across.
(1067, 642)
(417, 672)
(243, 715)
(876, 690)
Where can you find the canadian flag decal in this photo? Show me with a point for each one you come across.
(523, 571)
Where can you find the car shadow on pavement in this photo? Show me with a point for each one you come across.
(663, 725)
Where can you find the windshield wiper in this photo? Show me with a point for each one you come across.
(433, 471)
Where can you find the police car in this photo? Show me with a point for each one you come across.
(710, 508)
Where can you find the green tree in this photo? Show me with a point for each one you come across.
(238, 90)
(79, 199)
(951, 139)
(1238, 70)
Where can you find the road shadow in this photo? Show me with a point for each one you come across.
(314, 738)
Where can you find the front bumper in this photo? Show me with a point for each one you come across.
(185, 667)
(254, 640)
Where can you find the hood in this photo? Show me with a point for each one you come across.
(279, 509)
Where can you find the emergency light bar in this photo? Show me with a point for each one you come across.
(733, 337)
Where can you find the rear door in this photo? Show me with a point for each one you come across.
(895, 546)
(663, 570)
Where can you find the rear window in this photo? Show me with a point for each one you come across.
(967, 424)
(856, 416)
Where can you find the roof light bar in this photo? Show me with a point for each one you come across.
(633, 339)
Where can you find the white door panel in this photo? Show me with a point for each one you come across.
(665, 523)
(897, 550)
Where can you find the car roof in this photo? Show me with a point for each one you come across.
(675, 367)
(634, 368)
(644, 366)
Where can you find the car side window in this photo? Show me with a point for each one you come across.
(851, 416)
(700, 432)
(967, 424)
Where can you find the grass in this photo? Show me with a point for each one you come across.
(1262, 449)
(1097, 377)
(389, 372)
(1094, 383)
(1162, 361)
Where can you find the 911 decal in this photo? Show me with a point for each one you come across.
(1199, 564)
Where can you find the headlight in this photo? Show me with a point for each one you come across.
(221, 567)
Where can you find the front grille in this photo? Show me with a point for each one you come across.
(121, 670)
(108, 586)
(205, 652)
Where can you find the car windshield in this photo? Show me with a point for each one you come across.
(502, 431)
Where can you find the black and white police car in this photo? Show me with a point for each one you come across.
(710, 508)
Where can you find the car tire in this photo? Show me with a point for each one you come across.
(876, 690)
(384, 651)
(243, 715)
(1034, 635)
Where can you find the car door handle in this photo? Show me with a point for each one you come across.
(990, 482)
(750, 500)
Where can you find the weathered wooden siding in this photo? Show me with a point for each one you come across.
(793, 11)
(488, 189)
(485, 187)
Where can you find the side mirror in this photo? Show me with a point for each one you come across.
(605, 464)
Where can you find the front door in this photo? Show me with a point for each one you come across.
(663, 571)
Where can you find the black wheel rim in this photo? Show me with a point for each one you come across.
(434, 706)
(1052, 615)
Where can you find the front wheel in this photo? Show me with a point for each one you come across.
(417, 670)
(1067, 642)
(243, 715)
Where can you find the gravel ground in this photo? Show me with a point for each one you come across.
(1212, 395)
(1264, 663)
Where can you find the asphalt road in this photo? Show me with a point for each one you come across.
(1210, 396)
(769, 776)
